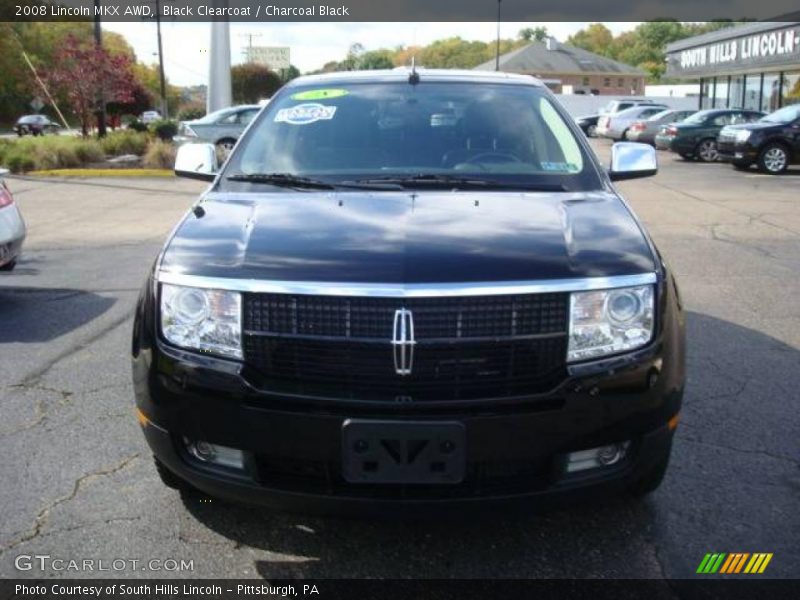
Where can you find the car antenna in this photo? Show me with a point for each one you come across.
(413, 77)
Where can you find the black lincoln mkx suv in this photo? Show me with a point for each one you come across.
(410, 288)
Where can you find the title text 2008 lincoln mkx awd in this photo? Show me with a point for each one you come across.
(410, 288)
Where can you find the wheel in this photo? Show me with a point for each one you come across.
(169, 479)
(591, 131)
(650, 480)
(773, 159)
(707, 151)
(624, 135)
(224, 148)
(9, 266)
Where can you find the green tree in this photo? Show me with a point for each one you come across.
(535, 34)
(253, 82)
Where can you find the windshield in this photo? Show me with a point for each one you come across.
(661, 115)
(787, 114)
(698, 117)
(509, 134)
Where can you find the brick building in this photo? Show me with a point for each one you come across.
(562, 66)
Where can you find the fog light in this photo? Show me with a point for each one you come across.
(603, 456)
(216, 455)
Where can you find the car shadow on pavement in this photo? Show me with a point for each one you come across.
(736, 446)
(31, 315)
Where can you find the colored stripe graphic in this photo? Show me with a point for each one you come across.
(723, 563)
(711, 563)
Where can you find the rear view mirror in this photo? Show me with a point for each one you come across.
(197, 161)
(630, 160)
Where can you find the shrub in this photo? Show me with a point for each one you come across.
(89, 150)
(191, 112)
(124, 142)
(20, 160)
(137, 125)
(164, 129)
(160, 155)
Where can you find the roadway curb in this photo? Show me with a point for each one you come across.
(101, 173)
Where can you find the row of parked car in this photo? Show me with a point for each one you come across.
(739, 136)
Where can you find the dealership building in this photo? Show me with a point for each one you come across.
(754, 66)
(567, 69)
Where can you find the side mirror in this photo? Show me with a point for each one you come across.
(630, 160)
(197, 161)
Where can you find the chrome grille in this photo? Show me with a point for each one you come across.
(466, 347)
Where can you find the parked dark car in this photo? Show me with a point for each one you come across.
(773, 142)
(394, 296)
(588, 124)
(696, 136)
(35, 125)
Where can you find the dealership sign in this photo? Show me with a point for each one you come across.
(776, 47)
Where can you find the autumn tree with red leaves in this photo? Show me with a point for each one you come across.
(82, 69)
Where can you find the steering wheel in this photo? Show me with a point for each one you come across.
(490, 158)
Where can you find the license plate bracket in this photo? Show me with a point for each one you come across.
(403, 452)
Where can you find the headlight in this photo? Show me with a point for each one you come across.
(742, 135)
(200, 319)
(609, 321)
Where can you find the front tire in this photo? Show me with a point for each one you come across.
(9, 266)
(773, 159)
(591, 131)
(224, 147)
(707, 151)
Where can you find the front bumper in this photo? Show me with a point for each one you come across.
(738, 152)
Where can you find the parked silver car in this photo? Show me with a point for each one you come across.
(12, 227)
(616, 126)
(644, 131)
(221, 128)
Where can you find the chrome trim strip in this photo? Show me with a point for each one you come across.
(411, 290)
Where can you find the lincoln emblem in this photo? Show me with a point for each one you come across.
(403, 341)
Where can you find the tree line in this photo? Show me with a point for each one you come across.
(641, 47)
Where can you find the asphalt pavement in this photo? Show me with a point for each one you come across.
(78, 481)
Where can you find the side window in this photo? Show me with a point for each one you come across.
(722, 120)
(229, 119)
(650, 112)
(246, 116)
(623, 106)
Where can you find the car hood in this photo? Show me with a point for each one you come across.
(401, 237)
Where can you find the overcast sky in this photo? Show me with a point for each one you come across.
(312, 44)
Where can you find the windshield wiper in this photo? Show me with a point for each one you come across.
(455, 182)
(282, 180)
(296, 181)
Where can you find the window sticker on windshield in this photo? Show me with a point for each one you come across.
(319, 94)
(565, 167)
(303, 114)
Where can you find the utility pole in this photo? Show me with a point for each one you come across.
(497, 46)
(163, 82)
(101, 100)
(220, 93)
(248, 50)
